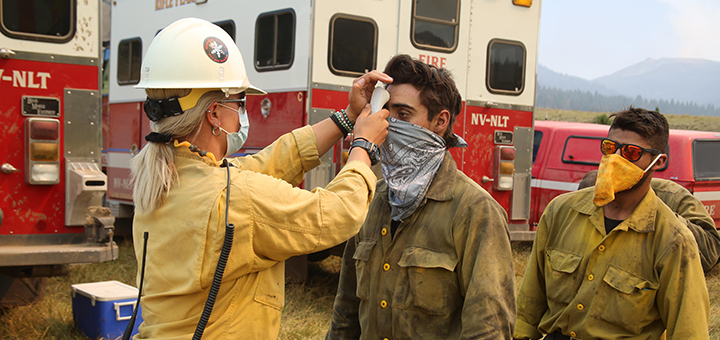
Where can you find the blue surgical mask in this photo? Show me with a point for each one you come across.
(236, 140)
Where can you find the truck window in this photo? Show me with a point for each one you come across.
(435, 24)
(583, 150)
(506, 67)
(537, 138)
(129, 61)
(38, 20)
(353, 45)
(706, 159)
(275, 40)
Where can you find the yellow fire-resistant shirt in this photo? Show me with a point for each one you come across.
(632, 283)
(273, 221)
(692, 212)
(446, 274)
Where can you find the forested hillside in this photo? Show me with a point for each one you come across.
(554, 98)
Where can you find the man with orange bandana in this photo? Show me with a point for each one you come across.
(613, 261)
(688, 209)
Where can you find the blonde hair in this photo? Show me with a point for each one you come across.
(153, 168)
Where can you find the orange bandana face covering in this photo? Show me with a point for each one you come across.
(616, 174)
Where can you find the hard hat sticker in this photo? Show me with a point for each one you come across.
(215, 49)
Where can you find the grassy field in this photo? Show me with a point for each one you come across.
(306, 314)
(307, 306)
(682, 122)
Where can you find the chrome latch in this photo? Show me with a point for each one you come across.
(6, 52)
(8, 168)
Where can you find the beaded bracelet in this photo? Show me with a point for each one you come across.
(345, 122)
(341, 124)
(344, 118)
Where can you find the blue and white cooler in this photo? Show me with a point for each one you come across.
(103, 309)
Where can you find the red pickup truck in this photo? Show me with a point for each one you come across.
(563, 152)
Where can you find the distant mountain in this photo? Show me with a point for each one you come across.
(550, 78)
(693, 80)
(685, 86)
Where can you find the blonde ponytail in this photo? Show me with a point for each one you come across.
(153, 168)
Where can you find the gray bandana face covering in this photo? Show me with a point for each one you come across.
(411, 156)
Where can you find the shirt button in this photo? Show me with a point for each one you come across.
(580, 307)
(572, 334)
(386, 339)
(383, 303)
(386, 267)
(591, 277)
(601, 248)
(383, 231)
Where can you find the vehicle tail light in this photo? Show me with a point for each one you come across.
(504, 168)
(42, 144)
(524, 3)
(44, 151)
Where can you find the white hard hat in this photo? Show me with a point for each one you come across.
(193, 53)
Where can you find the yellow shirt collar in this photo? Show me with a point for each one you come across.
(209, 157)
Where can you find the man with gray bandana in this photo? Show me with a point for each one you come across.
(433, 258)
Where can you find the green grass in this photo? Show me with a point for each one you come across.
(681, 122)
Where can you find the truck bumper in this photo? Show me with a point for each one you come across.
(34, 255)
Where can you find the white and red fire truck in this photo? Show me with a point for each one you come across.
(50, 144)
(305, 54)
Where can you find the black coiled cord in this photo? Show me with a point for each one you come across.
(224, 254)
(131, 323)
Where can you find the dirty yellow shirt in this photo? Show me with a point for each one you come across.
(447, 273)
(633, 283)
(273, 221)
(692, 212)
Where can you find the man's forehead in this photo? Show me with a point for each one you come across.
(404, 94)
(628, 137)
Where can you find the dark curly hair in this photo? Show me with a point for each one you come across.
(436, 86)
(650, 125)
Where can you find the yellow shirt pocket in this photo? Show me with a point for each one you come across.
(427, 281)
(270, 290)
(561, 282)
(628, 300)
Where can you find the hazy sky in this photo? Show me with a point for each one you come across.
(593, 38)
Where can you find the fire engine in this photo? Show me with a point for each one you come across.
(305, 54)
(51, 182)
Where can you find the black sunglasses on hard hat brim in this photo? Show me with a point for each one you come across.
(630, 152)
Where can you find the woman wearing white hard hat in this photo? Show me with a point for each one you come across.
(186, 194)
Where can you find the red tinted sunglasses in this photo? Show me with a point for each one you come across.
(630, 152)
